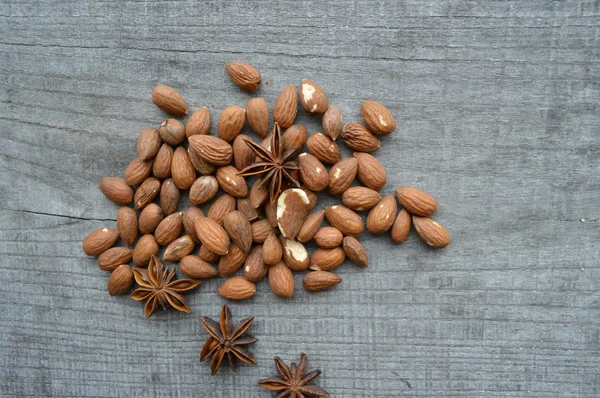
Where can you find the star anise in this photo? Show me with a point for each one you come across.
(157, 288)
(225, 340)
(273, 165)
(293, 381)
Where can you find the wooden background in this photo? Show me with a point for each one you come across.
(497, 104)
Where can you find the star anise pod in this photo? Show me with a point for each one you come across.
(273, 165)
(157, 287)
(225, 340)
(293, 381)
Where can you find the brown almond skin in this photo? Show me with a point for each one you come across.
(261, 230)
(212, 149)
(239, 229)
(172, 131)
(198, 123)
(377, 118)
(270, 209)
(401, 226)
(146, 193)
(255, 268)
(245, 207)
(237, 288)
(243, 155)
(169, 229)
(295, 255)
(137, 171)
(116, 190)
(286, 107)
(281, 280)
(333, 122)
(327, 259)
(294, 138)
(312, 97)
(99, 241)
(189, 218)
(169, 196)
(201, 165)
(231, 182)
(207, 255)
(355, 252)
(323, 148)
(169, 100)
(231, 122)
(203, 190)
(182, 171)
(178, 249)
(259, 193)
(212, 235)
(311, 226)
(232, 261)
(120, 280)
(150, 217)
(257, 113)
(313, 173)
(292, 208)
(345, 220)
(370, 171)
(223, 205)
(113, 257)
(196, 268)
(272, 251)
(315, 281)
(416, 202)
(382, 217)
(312, 197)
(360, 198)
(127, 225)
(161, 167)
(328, 237)
(432, 232)
(143, 251)
(148, 143)
(342, 175)
(244, 75)
(358, 138)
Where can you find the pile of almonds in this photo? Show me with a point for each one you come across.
(243, 227)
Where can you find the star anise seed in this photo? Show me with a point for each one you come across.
(293, 381)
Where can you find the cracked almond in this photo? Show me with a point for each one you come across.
(294, 254)
(292, 208)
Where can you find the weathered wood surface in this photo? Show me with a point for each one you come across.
(497, 105)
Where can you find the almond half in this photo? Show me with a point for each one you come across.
(292, 208)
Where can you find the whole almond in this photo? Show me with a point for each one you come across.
(286, 107)
(260, 230)
(244, 75)
(312, 197)
(220, 207)
(113, 257)
(401, 226)
(203, 190)
(294, 138)
(117, 190)
(432, 232)
(207, 255)
(201, 165)
(232, 261)
(377, 118)
(120, 280)
(172, 131)
(255, 268)
(270, 209)
(281, 280)
(239, 229)
(319, 280)
(189, 218)
(360, 198)
(370, 171)
(198, 123)
(358, 138)
(312, 97)
(272, 250)
(342, 175)
(148, 143)
(243, 155)
(231, 182)
(327, 259)
(150, 217)
(182, 170)
(328, 237)
(382, 217)
(212, 235)
(169, 196)
(127, 224)
(146, 193)
(417, 202)
(324, 148)
(245, 207)
(99, 241)
(259, 193)
(169, 229)
(161, 167)
(196, 268)
(313, 173)
(144, 249)
(237, 288)
(311, 225)
(137, 171)
(178, 249)
(257, 113)
(355, 251)
(345, 220)
(231, 122)
(212, 149)
(292, 208)
(294, 254)
(333, 122)
(169, 100)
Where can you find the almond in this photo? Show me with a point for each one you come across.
(358, 138)
(328, 237)
(146, 193)
(244, 75)
(148, 143)
(169, 196)
(231, 122)
(327, 259)
(203, 190)
(377, 118)
(117, 190)
(370, 171)
(324, 148)
(220, 207)
(333, 122)
(201, 165)
(245, 207)
(319, 280)
(401, 226)
(433, 233)
(272, 250)
(355, 251)
(294, 254)
(293, 138)
(120, 280)
(189, 218)
(270, 209)
(281, 280)
(237, 288)
(150, 217)
(231, 182)
(178, 249)
(312, 197)
(345, 220)
(342, 175)
(169, 100)
(113, 257)
(212, 235)
(311, 226)
(127, 224)
(99, 241)
(198, 123)
(382, 217)
(312, 97)
(416, 202)
(169, 229)
(212, 149)
(137, 171)
(257, 113)
(182, 170)
(360, 198)
(207, 255)
(196, 268)
(313, 173)
(239, 230)
(243, 155)
(260, 230)
(286, 107)
(292, 208)
(232, 261)
(259, 193)
(161, 167)
(144, 249)
(255, 268)
(172, 131)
